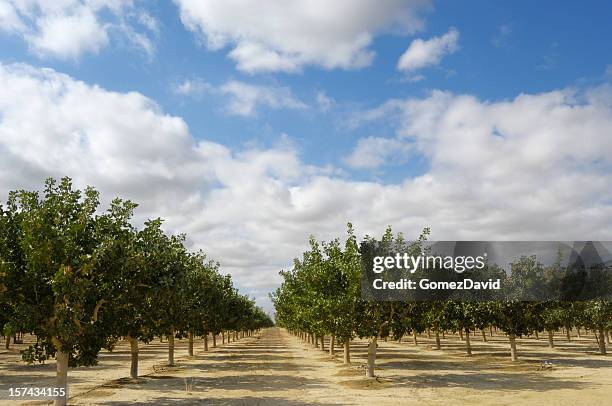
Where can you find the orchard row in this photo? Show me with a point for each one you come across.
(80, 279)
(321, 295)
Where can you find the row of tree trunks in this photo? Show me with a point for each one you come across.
(319, 343)
(601, 335)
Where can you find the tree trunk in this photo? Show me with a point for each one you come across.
(332, 342)
(428, 333)
(214, 340)
(205, 342)
(62, 376)
(371, 356)
(513, 354)
(468, 345)
(190, 348)
(414, 336)
(608, 337)
(461, 335)
(437, 339)
(171, 348)
(322, 343)
(551, 342)
(578, 331)
(222, 337)
(484, 335)
(491, 331)
(567, 333)
(602, 342)
(7, 342)
(134, 354)
(537, 335)
(347, 351)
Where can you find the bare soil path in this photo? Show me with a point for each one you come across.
(276, 368)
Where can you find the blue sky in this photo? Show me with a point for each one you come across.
(505, 49)
(312, 107)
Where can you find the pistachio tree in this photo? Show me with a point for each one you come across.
(64, 246)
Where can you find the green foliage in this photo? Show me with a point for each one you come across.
(321, 294)
(79, 279)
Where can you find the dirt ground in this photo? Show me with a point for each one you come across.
(276, 368)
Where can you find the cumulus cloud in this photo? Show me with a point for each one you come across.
(372, 152)
(67, 29)
(423, 53)
(287, 35)
(535, 167)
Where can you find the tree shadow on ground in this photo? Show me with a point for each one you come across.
(242, 401)
(198, 384)
(246, 366)
(490, 381)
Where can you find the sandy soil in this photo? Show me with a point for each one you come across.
(275, 368)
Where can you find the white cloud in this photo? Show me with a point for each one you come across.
(501, 37)
(372, 152)
(241, 98)
(192, 87)
(9, 18)
(324, 102)
(245, 99)
(67, 29)
(422, 53)
(535, 167)
(287, 35)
